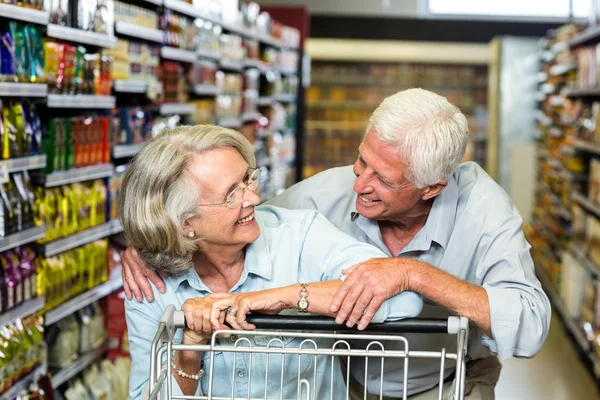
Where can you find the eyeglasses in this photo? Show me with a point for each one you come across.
(236, 196)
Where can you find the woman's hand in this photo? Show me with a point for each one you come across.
(198, 318)
(234, 308)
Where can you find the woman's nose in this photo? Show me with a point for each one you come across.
(250, 199)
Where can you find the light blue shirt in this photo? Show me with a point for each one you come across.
(293, 247)
(473, 232)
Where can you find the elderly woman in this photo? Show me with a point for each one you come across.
(189, 206)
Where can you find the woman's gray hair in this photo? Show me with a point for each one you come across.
(157, 196)
(430, 133)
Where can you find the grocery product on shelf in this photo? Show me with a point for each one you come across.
(130, 125)
(70, 273)
(18, 277)
(132, 14)
(135, 61)
(176, 31)
(72, 69)
(20, 129)
(17, 209)
(174, 82)
(68, 209)
(93, 16)
(22, 53)
(22, 348)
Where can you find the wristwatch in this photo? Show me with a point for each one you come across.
(303, 303)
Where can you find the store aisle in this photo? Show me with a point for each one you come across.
(556, 373)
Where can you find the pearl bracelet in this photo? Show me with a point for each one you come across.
(195, 377)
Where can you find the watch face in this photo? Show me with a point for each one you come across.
(302, 304)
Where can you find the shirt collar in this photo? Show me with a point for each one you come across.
(440, 221)
(258, 262)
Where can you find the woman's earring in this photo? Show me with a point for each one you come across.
(191, 234)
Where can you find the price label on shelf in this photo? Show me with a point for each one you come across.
(3, 174)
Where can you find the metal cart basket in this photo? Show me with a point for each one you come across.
(295, 340)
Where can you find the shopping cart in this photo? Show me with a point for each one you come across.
(304, 346)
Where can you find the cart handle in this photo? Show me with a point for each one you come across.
(451, 325)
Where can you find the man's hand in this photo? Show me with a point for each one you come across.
(367, 286)
(137, 277)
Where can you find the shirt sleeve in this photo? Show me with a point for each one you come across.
(519, 308)
(327, 251)
(142, 325)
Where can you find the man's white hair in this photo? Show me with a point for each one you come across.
(430, 133)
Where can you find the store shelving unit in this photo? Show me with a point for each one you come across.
(83, 101)
(23, 310)
(81, 36)
(177, 108)
(23, 383)
(82, 301)
(563, 156)
(173, 54)
(78, 366)
(126, 150)
(75, 175)
(130, 86)
(80, 238)
(67, 105)
(231, 64)
(20, 238)
(13, 89)
(23, 14)
(205, 90)
(139, 32)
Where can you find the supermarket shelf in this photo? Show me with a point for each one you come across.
(23, 89)
(585, 262)
(81, 36)
(155, 2)
(22, 310)
(78, 365)
(77, 175)
(24, 383)
(23, 14)
(81, 101)
(205, 90)
(361, 105)
(21, 238)
(248, 117)
(231, 64)
(286, 97)
(208, 54)
(126, 150)
(582, 93)
(265, 101)
(251, 63)
(588, 205)
(188, 9)
(83, 300)
(24, 163)
(288, 71)
(129, 86)
(590, 35)
(561, 69)
(172, 53)
(587, 147)
(233, 123)
(177, 108)
(357, 126)
(139, 32)
(558, 305)
(80, 238)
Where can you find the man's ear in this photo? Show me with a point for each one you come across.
(430, 192)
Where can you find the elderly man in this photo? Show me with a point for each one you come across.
(451, 234)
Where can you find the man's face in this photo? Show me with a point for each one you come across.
(383, 191)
